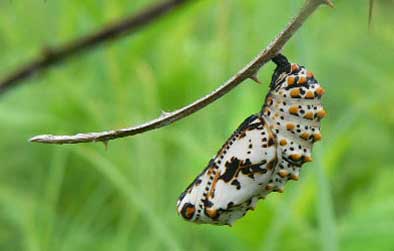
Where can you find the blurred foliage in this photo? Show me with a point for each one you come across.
(83, 197)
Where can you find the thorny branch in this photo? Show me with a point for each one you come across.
(52, 56)
(249, 71)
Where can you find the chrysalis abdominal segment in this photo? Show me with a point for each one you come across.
(266, 150)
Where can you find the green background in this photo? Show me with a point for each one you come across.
(83, 197)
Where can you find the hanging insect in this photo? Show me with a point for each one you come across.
(266, 150)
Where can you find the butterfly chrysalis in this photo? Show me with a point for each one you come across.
(266, 150)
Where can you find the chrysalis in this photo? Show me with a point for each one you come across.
(266, 150)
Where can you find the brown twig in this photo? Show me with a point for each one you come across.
(52, 56)
(249, 71)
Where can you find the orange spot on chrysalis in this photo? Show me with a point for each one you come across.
(294, 177)
(290, 80)
(295, 156)
(321, 114)
(283, 173)
(320, 91)
(308, 115)
(317, 136)
(293, 110)
(283, 142)
(270, 101)
(294, 68)
(295, 93)
(302, 80)
(309, 95)
(305, 136)
(212, 213)
(290, 126)
(190, 212)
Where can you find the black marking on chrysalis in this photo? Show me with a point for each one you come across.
(282, 66)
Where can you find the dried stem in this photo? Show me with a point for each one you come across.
(52, 56)
(249, 71)
(370, 13)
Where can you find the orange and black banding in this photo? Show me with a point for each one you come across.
(297, 99)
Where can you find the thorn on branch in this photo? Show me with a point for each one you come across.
(255, 78)
(105, 142)
(164, 114)
(329, 3)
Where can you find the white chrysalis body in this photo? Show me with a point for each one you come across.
(265, 151)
